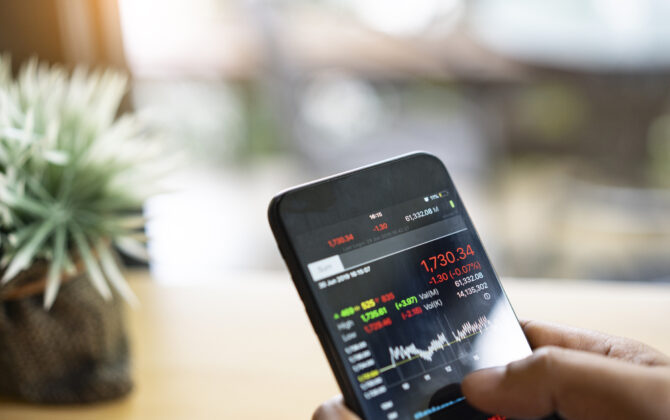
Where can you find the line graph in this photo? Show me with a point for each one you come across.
(469, 328)
(403, 354)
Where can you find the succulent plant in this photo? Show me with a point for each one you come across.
(69, 167)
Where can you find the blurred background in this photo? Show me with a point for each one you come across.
(553, 117)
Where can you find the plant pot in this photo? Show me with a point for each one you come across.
(76, 352)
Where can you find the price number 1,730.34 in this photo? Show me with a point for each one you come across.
(443, 259)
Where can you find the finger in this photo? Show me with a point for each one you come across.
(541, 334)
(334, 409)
(576, 385)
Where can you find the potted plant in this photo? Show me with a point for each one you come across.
(68, 178)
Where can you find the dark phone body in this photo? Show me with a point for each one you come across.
(315, 206)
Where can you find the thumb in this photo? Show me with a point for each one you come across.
(576, 385)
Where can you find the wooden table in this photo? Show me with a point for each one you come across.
(242, 348)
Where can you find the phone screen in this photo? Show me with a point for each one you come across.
(409, 299)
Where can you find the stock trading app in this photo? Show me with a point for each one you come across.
(413, 305)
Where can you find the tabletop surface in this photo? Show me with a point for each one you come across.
(242, 348)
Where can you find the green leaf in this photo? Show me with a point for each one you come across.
(114, 274)
(21, 202)
(40, 192)
(92, 267)
(15, 134)
(24, 256)
(24, 234)
(56, 267)
(57, 157)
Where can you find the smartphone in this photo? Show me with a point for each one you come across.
(397, 286)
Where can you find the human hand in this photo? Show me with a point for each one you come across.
(577, 373)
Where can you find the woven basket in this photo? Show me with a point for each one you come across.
(77, 352)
